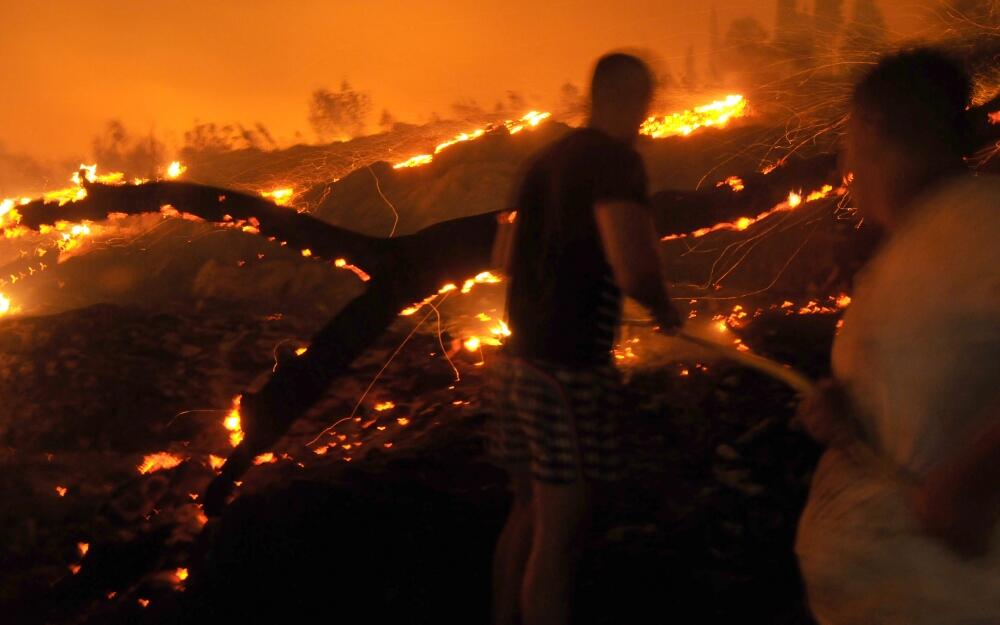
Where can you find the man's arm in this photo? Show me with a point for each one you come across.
(630, 244)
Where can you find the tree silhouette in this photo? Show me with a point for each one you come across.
(828, 22)
(571, 102)
(748, 57)
(116, 149)
(689, 79)
(339, 115)
(865, 35)
(714, 75)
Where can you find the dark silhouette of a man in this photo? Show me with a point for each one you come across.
(580, 236)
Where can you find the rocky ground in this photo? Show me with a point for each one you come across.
(397, 516)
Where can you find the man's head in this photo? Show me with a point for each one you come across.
(620, 93)
(908, 128)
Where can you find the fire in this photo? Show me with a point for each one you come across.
(734, 182)
(83, 548)
(301, 350)
(159, 461)
(341, 263)
(265, 458)
(385, 405)
(233, 423)
(62, 490)
(530, 120)
(70, 235)
(716, 113)
(175, 169)
(215, 462)
(181, 574)
(484, 277)
(4, 305)
(794, 200)
(472, 343)
(281, 197)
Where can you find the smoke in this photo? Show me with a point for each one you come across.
(22, 174)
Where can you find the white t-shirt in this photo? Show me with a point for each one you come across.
(920, 347)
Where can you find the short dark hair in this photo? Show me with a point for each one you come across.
(620, 78)
(918, 99)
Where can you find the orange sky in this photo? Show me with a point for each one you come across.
(68, 66)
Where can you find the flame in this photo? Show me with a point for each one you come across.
(716, 113)
(794, 200)
(385, 405)
(83, 548)
(301, 350)
(62, 490)
(529, 120)
(307, 252)
(265, 458)
(4, 305)
(734, 182)
(215, 462)
(159, 461)
(472, 343)
(484, 277)
(281, 197)
(143, 602)
(175, 169)
(181, 574)
(342, 263)
(233, 422)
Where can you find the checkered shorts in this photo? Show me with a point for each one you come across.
(558, 422)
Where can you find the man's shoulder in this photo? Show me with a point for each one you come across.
(583, 147)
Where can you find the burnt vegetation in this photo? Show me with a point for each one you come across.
(365, 495)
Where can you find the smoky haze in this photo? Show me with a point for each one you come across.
(162, 68)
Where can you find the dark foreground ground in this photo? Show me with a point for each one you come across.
(402, 532)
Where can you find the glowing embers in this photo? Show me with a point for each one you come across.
(484, 277)
(70, 235)
(733, 182)
(493, 337)
(341, 263)
(794, 200)
(281, 197)
(717, 113)
(530, 120)
(158, 462)
(233, 422)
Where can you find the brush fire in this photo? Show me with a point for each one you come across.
(242, 365)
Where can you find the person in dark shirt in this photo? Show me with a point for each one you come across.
(579, 235)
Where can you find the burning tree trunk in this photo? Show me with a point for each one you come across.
(402, 270)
